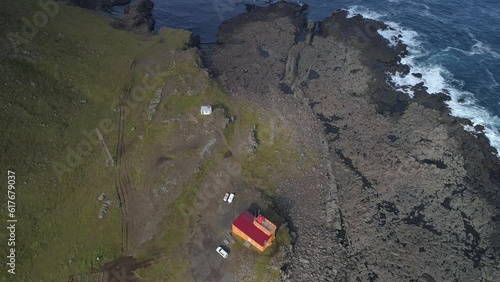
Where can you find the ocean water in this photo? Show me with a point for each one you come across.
(455, 44)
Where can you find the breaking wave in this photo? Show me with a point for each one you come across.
(436, 77)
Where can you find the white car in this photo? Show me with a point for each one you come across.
(231, 198)
(222, 252)
(226, 196)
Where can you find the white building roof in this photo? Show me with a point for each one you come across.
(206, 110)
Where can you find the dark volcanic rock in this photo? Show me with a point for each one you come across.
(406, 185)
(138, 18)
(436, 102)
(102, 4)
(479, 128)
(419, 87)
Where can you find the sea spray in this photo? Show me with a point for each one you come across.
(436, 77)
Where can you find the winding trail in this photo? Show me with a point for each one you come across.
(122, 181)
(122, 178)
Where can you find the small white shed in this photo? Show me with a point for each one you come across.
(206, 110)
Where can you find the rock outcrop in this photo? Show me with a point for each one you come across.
(137, 18)
(98, 4)
(405, 193)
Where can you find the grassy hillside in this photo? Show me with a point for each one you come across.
(56, 88)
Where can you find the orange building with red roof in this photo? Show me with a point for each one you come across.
(258, 231)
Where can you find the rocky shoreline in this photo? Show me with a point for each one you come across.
(136, 18)
(404, 193)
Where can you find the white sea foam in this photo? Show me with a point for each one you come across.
(366, 13)
(494, 82)
(436, 77)
(470, 129)
(479, 48)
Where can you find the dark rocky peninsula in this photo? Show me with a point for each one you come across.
(404, 193)
(137, 18)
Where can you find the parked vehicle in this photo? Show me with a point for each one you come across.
(222, 252)
(226, 196)
(231, 198)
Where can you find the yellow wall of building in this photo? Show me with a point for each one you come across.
(245, 237)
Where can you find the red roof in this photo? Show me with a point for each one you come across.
(244, 222)
(260, 219)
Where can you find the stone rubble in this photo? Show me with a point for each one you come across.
(402, 192)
